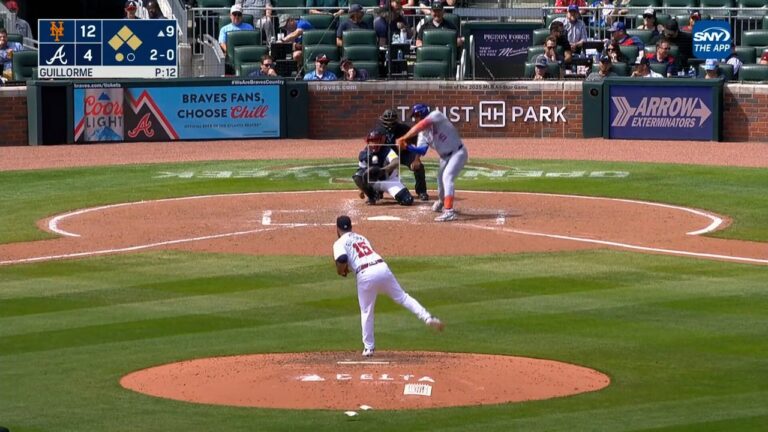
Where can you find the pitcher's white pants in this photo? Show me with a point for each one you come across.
(379, 279)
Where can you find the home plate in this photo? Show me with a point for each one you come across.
(384, 218)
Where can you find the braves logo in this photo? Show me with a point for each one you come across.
(144, 126)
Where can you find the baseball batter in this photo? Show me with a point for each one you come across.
(436, 131)
(354, 253)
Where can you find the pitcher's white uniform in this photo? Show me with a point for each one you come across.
(373, 277)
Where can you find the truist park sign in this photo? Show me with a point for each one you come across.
(662, 112)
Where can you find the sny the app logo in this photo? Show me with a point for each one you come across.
(57, 32)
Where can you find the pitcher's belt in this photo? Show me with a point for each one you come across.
(366, 265)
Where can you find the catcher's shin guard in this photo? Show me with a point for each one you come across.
(404, 197)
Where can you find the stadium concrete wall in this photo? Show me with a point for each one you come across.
(480, 109)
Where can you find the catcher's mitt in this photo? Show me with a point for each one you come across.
(375, 174)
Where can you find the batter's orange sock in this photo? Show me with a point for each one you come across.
(448, 202)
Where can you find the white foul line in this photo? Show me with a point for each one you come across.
(623, 245)
(363, 362)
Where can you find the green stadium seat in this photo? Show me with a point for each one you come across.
(533, 52)
(367, 3)
(244, 69)
(745, 54)
(753, 8)
(717, 7)
(631, 51)
(367, 18)
(248, 54)
(318, 37)
(24, 65)
(661, 18)
(15, 37)
(241, 38)
(371, 67)
(444, 38)
(726, 70)
(357, 53)
(539, 36)
(288, 6)
(679, 7)
(659, 68)
(645, 35)
(321, 22)
(754, 38)
(430, 70)
(753, 72)
(359, 37)
(621, 69)
(645, 3)
(551, 17)
(215, 4)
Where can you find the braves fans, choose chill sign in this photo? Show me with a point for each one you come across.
(712, 39)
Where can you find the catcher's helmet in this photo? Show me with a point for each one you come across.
(376, 137)
(420, 111)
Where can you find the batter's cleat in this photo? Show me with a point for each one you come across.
(437, 207)
(448, 215)
(435, 323)
(368, 352)
(424, 196)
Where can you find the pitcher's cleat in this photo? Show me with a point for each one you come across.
(435, 323)
(368, 352)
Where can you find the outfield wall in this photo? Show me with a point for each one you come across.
(480, 109)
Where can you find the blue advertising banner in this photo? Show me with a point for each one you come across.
(662, 112)
(501, 53)
(205, 112)
(712, 39)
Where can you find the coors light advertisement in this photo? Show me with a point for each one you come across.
(99, 114)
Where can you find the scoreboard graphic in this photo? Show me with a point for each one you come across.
(122, 48)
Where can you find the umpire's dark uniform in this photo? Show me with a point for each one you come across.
(395, 129)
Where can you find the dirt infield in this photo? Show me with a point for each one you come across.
(391, 380)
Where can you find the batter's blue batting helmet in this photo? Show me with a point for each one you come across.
(420, 110)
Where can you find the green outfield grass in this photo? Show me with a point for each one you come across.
(683, 340)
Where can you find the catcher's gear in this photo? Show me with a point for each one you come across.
(419, 111)
(375, 173)
(376, 138)
(404, 197)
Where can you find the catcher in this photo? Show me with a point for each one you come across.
(378, 171)
(395, 129)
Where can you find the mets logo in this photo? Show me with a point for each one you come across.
(144, 126)
(57, 31)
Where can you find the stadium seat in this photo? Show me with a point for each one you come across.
(659, 68)
(645, 3)
(15, 37)
(241, 38)
(551, 17)
(539, 36)
(359, 37)
(754, 38)
(644, 35)
(248, 54)
(369, 53)
(244, 69)
(435, 53)
(661, 18)
(366, 3)
(24, 65)
(726, 70)
(290, 6)
(621, 69)
(430, 70)
(453, 19)
(319, 37)
(533, 52)
(631, 51)
(679, 7)
(215, 3)
(753, 8)
(321, 22)
(444, 38)
(746, 54)
(717, 8)
(371, 67)
(552, 68)
(753, 72)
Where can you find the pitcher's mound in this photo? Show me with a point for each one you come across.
(343, 380)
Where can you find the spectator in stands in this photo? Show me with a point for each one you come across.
(643, 70)
(236, 24)
(684, 41)
(651, 23)
(294, 29)
(619, 35)
(575, 30)
(613, 51)
(408, 6)
(540, 68)
(695, 16)
(550, 50)
(350, 72)
(315, 5)
(321, 72)
(734, 60)
(390, 22)
(425, 6)
(266, 69)
(131, 8)
(262, 16)
(663, 56)
(604, 70)
(437, 22)
(153, 10)
(711, 70)
(561, 6)
(6, 54)
(605, 13)
(355, 21)
(557, 30)
(22, 26)
(764, 58)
